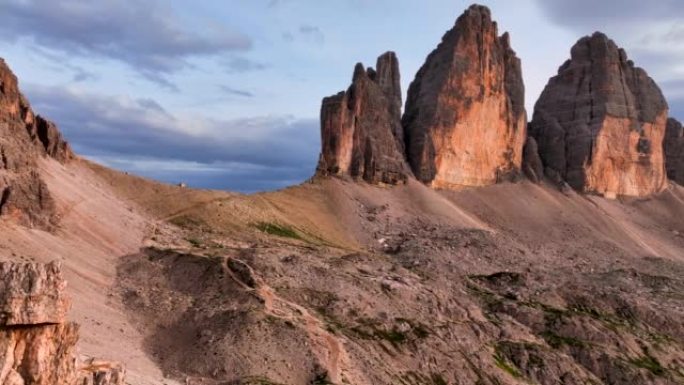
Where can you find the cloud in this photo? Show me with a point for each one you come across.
(241, 65)
(305, 32)
(147, 35)
(588, 13)
(82, 75)
(236, 92)
(288, 36)
(250, 153)
(312, 32)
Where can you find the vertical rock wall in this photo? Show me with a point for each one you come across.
(465, 121)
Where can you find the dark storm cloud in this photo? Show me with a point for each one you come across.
(224, 176)
(258, 151)
(147, 35)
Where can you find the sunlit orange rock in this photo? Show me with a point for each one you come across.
(465, 120)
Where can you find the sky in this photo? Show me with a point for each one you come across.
(225, 94)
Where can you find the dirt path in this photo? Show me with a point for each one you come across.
(333, 353)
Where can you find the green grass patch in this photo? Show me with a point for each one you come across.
(416, 378)
(503, 364)
(553, 315)
(373, 332)
(278, 230)
(437, 379)
(257, 381)
(186, 222)
(612, 321)
(489, 298)
(194, 242)
(370, 329)
(649, 363)
(501, 277)
(557, 341)
(393, 336)
(418, 329)
(321, 379)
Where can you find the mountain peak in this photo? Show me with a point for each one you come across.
(600, 122)
(464, 119)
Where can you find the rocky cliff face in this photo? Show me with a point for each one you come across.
(673, 145)
(465, 119)
(600, 122)
(24, 137)
(37, 345)
(361, 130)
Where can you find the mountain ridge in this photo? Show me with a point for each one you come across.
(366, 274)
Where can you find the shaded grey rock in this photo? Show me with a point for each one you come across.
(532, 165)
(389, 79)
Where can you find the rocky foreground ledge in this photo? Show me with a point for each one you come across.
(37, 344)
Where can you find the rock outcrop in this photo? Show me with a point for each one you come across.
(465, 120)
(600, 122)
(37, 344)
(32, 294)
(99, 372)
(24, 137)
(361, 133)
(673, 145)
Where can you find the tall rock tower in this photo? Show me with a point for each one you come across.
(361, 133)
(465, 120)
(600, 123)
